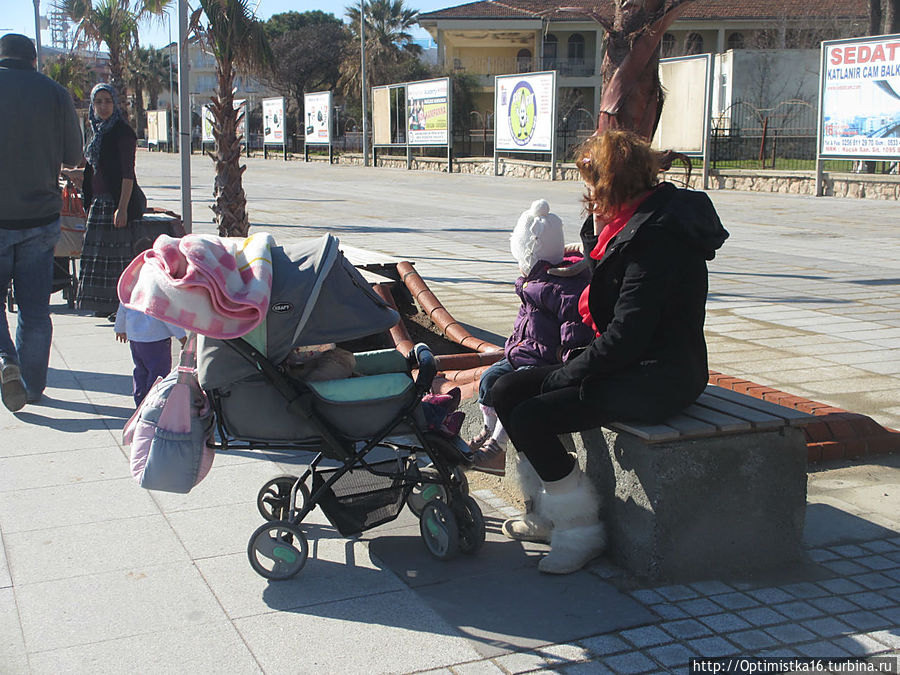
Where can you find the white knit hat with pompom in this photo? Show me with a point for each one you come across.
(537, 236)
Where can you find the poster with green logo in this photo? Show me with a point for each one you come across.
(525, 106)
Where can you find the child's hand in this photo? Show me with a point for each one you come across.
(121, 337)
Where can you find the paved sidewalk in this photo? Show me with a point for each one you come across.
(99, 576)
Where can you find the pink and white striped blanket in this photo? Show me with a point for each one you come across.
(216, 286)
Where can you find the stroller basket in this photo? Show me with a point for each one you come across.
(360, 500)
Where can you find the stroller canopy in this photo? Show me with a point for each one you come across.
(318, 297)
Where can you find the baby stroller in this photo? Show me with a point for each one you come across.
(318, 297)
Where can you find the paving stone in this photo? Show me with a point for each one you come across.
(860, 644)
(833, 605)
(892, 593)
(865, 620)
(841, 586)
(879, 546)
(752, 640)
(721, 623)
(870, 600)
(848, 550)
(647, 596)
(877, 562)
(587, 668)
(712, 647)
(844, 567)
(673, 656)
(677, 592)
(627, 664)
(805, 590)
(821, 555)
(824, 650)
(564, 653)
(485, 667)
(667, 611)
(521, 662)
(603, 645)
(892, 614)
(893, 574)
(790, 634)
(889, 638)
(699, 607)
(770, 596)
(762, 616)
(711, 587)
(646, 636)
(688, 628)
(735, 601)
(797, 610)
(875, 581)
(778, 653)
(827, 626)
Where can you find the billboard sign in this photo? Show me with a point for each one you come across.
(317, 117)
(683, 123)
(207, 128)
(207, 132)
(428, 112)
(525, 111)
(273, 120)
(859, 112)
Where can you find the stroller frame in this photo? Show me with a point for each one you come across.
(449, 519)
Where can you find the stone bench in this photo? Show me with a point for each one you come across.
(717, 490)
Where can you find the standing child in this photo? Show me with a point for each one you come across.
(150, 338)
(548, 326)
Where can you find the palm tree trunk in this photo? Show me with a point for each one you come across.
(230, 202)
(117, 75)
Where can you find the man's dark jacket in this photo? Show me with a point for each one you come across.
(648, 299)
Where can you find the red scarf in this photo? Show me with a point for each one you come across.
(610, 230)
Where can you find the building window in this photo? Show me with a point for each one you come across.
(736, 41)
(694, 44)
(668, 45)
(576, 47)
(523, 60)
(551, 45)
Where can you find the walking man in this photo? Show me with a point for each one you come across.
(39, 132)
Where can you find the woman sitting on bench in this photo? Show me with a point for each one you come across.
(648, 243)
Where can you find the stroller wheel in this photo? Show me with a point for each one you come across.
(274, 498)
(439, 530)
(471, 525)
(278, 550)
(422, 493)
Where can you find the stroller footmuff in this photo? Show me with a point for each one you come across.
(352, 423)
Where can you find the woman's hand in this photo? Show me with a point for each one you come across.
(120, 218)
(74, 176)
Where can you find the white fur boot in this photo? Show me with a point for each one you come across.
(532, 526)
(572, 505)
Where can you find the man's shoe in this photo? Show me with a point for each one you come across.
(491, 459)
(482, 438)
(12, 389)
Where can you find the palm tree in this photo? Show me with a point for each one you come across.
(114, 23)
(158, 67)
(235, 38)
(148, 70)
(389, 44)
(72, 72)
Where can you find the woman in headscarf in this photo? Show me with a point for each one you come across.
(114, 199)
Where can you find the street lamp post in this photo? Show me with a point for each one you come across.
(37, 32)
(171, 89)
(362, 77)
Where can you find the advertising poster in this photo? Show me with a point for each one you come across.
(207, 131)
(381, 115)
(152, 128)
(207, 125)
(860, 98)
(273, 120)
(317, 116)
(428, 112)
(525, 106)
(162, 126)
(682, 125)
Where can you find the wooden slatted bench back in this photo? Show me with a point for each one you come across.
(718, 411)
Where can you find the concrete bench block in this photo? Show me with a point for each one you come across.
(689, 509)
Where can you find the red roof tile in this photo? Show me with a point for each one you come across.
(699, 10)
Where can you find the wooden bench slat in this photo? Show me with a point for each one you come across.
(724, 422)
(691, 427)
(758, 419)
(791, 416)
(655, 433)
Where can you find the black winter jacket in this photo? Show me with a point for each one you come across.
(648, 298)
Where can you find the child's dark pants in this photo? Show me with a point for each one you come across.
(151, 360)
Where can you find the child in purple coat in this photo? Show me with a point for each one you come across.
(547, 328)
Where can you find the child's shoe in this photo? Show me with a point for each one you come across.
(491, 458)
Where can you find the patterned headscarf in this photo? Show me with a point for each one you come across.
(100, 127)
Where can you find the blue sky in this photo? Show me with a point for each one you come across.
(18, 16)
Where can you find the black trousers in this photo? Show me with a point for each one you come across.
(534, 420)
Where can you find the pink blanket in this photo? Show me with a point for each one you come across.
(216, 286)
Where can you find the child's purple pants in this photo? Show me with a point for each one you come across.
(151, 360)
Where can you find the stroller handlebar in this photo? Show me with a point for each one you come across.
(421, 357)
